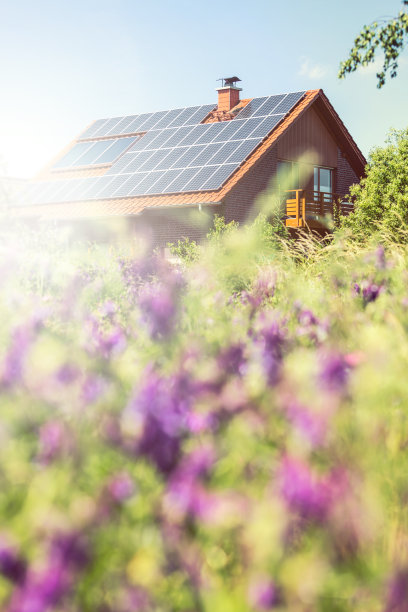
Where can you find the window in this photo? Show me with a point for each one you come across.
(323, 180)
(288, 175)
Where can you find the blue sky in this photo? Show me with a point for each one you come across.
(63, 64)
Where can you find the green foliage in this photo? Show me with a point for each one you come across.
(185, 249)
(389, 36)
(381, 199)
(221, 230)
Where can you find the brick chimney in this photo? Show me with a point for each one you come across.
(228, 94)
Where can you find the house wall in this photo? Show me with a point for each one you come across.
(345, 176)
(240, 204)
(161, 226)
(309, 139)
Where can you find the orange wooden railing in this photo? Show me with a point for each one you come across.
(308, 208)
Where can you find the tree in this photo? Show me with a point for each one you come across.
(381, 199)
(388, 35)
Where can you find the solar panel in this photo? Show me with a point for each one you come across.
(247, 128)
(218, 178)
(243, 150)
(178, 136)
(137, 161)
(130, 183)
(148, 182)
(195, 133)
(198, 179)
(93, 128)
(109, 189)
(73, 154)
(121, 127)
(267, 108)
(267, 124)
(153, 160)
(175, 154)
(189, 154)
(164, 181)
(229, 130)
(223, 152)
(116, 148)
(184, 116)
(168, 118)
(251, 108)
(89, 157)
(289, 101)
(205, 155)
(183, 178)
(107, 127)
(201, 114)
(210, 134)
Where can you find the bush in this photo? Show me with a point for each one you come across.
(381, 199)
(175, 442)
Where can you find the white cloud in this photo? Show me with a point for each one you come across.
(312, 71)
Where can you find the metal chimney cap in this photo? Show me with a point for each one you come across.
(229, 81)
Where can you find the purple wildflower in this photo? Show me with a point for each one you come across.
(271, 339)
(185, 492)
(368, 291)
(303, 491)
(312, 426)
(12, 565)
(54, 439)
(231, 360)
(380, 258)
(121, 487)
(67, 374)
(106, 343)
(334, 372)
(92, 388)
(159, 305)
(21, 339)
(161, 407)
(397, 598)
(43, 589)
(263, 594)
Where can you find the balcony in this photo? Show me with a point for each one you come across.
(309, 208)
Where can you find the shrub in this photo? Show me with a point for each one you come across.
(381, 199)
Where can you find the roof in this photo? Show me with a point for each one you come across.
(123, 165)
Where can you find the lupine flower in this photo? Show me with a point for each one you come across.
(397, 597)
(54, 440)
(305, 493)
(12, 367)
(121, 487)
(271, 339)
(231, 360)
(186, 493)
(312, 426)
(159, 305)
(368, 290)
(105, 343)
(92, 388)
(334, 372)
(43, 589)
(160, 407)
(12, 565)
(380, 257)
(263, 594)
(67, 374)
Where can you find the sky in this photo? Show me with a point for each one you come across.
(64, 64)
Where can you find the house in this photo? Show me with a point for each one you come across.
(155, 168)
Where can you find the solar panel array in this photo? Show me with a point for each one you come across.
(176, 154)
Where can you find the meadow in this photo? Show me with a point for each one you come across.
(225, 434)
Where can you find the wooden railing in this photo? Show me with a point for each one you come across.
(309, 208)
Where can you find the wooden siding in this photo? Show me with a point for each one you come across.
(309, 135)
